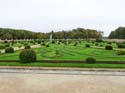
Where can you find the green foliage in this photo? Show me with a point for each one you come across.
(47, 45)
(87, 45)
(108, 47)
(9, 50)
(90, 60)
(119, 33)
(2, 46)
(27, 56)
(27, 47)
(120, 52)
(57, 53)
(120, 45)
(99, 40)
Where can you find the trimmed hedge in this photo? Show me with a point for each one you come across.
(120, 52)
(87, 46)
(108, 47)
(27, 56)
(27, 47)
(9, 50)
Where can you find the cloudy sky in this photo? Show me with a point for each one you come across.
(47, 15)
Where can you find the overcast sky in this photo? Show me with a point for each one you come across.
(47, 15)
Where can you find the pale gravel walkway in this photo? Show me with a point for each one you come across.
(17, 48)
(26, 82)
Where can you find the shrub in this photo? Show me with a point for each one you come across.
(120, 45)
(7, 45)
(87, 46)
(39, 41)
(27, 56)
(90, 60)
(109, 42)
(53, 42)
(101, 45)
(47, 45)
(75, 44)
(2, 46)
(27, 47)
(96, 44)
(108, 47)
(9, 50)
(99, 40)
(43, 44)
(120, 52)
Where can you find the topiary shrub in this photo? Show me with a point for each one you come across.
(9, 50)
(27, 47)
(99, 40)
(47, 45)
(96, 44)
(120, 52)
(101, 45)
(90, 60)
(27, 56)
(2, 46)
(120, 45)
(7, 45)
(75, 44)
(87, 46)
(108, 47)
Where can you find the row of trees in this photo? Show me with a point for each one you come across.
(79, 33)
(119, 33)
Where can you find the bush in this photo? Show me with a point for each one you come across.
(96, 44)
(75, 44)
(120, 52)
(90, 60)
(47, 45)
(87, 46)
(53, 42)
(2, 46)
(99, 40)
(108, 47)
(9, 50)
(27, 47)
(101, 45)
(120, 45)
(27, 56)
(7, 45)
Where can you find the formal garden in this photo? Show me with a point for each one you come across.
(67, 53)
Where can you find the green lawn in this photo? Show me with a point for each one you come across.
(69, 52)
(38, 64)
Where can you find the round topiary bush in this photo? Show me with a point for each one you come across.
(120, 45)
(27, 47)
(2, 46)
(120, 52)
(87, 46)
(47, 45)
(9, 50)
(108, 47)
(27, 56)
(90, 60)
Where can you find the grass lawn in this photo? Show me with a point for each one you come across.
(38, 64)
(69, 52)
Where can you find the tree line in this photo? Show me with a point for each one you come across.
(119, 33)
(79, 33)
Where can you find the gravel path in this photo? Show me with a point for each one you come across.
(32, 81)
(17, 48)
